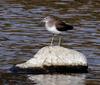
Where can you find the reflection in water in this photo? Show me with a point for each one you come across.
(58, 79)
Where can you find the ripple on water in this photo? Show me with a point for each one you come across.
(22, 35)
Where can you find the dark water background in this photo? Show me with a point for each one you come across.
(22, 35)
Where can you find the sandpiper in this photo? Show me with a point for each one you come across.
(56, 26)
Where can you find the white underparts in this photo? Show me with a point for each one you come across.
(52, 29)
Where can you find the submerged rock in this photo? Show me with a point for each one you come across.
(56, 57)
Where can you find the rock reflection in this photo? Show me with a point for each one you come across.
(78, 79)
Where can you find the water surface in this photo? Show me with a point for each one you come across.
(22, 35)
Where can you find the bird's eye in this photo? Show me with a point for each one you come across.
(46, 17)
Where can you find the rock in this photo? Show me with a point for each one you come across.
(56, 57)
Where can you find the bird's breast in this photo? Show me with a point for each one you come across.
(52, 29)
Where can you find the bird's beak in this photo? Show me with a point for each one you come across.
(42, 20)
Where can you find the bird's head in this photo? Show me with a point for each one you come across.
(48, 19)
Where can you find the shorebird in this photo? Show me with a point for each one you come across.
(56, 26)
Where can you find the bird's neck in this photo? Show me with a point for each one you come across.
(49, 24)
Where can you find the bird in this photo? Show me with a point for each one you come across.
(56, 27)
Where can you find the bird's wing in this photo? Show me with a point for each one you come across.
(61, 26)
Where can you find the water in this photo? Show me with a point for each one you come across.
(22, 35)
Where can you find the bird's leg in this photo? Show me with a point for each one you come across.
(59, 43)
(52, 40)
